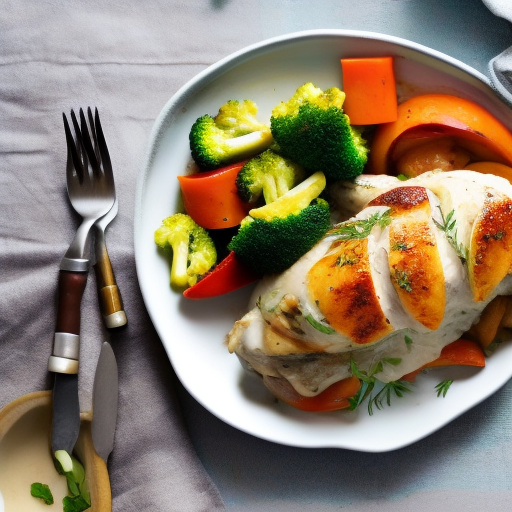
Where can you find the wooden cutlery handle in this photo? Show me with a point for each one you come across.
(66, 344)
(111, 303)
(71, 289)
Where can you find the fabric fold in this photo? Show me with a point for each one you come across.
(500, 67)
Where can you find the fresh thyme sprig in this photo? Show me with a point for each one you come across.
(443, 387)
(360, 228)
(398, 387)
(368, 382)
(448, 226)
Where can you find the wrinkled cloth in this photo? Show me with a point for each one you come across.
(55, 56)
(500, 67)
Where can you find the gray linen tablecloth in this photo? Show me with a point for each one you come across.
(127, 58)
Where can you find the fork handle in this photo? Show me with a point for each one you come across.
(109, 296)
(66, 345)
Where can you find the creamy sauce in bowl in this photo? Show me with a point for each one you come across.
(25, 458)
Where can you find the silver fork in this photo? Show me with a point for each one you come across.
(91, 191)
(111, 304)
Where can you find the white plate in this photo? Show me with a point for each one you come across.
(193, 332)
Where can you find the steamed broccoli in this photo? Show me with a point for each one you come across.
(272, 238)
(312, 129)
(233, 134)
(193, 251)
(268, 173)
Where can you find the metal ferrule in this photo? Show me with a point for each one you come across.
(74, 264)
(66, 352)
(62, 365)
(66, 345)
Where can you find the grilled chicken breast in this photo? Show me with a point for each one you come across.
(408, 273)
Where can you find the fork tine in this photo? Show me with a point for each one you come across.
(72, 153)
(102, 144)
(91, 152)
(82, 155)
(94, 136)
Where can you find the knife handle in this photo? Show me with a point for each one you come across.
(109, 296)
(66, 345)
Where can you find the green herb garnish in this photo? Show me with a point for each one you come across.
(361, 228)
(326, 329)
(368, 382)
(343, 259)
(443, 387)
(448, 226)
(402, 279)
(398, 387)
(400, 246)
(41, 491)
(74, 472)
(75, 504)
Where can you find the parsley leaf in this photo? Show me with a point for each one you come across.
(41, 491)
(75, 504)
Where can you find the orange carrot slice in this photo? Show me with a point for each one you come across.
(370, 86)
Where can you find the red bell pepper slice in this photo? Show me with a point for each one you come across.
(227, 276)
(211, 198)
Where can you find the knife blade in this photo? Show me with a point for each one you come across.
(64, 362)
(105, 397)
(66, 412)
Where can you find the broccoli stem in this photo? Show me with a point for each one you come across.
(282, 186)
(247, 145)
(270, 188)
(273, 187)
(179, 275)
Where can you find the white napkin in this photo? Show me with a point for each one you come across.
(500, 67)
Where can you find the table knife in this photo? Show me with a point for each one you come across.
(105, 402)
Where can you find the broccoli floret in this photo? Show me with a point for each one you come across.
(272, 238)
(312, 129)
(233, 134)
(193, 251)
(268, 173)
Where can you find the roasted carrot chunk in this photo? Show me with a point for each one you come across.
(370, 86)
